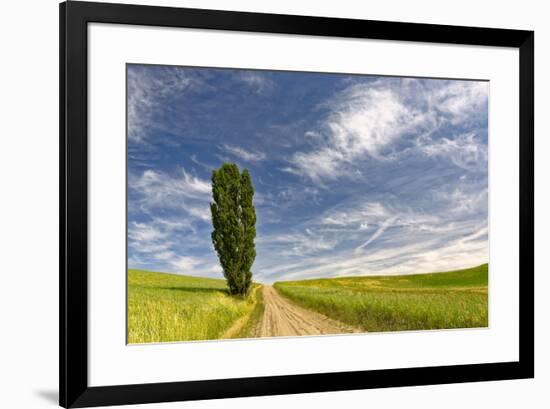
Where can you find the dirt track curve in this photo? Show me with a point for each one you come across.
(283, 318)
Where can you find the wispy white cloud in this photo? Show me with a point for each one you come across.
(371, 120)
(364, 120)
(356, 215)
(175, 224)
(297, 243)
(460, 100)
(381, 229)
(158, 239)
(465, 150)
(256, 81)
(246, 155)
(159, 242)
(145, 232)
(317, 165)
(189, 265)
(183, 263)
(413, 257)
(183, 191)
(175, 210)
(200, 212)
(462, 201)
(203, 165)
(147, 95)
(147, 239)
(383, 238)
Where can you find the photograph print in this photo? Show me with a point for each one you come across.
(277, 204)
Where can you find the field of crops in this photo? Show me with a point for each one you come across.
(457, 299)
(168, 307)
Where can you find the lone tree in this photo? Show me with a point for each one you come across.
(234, 221)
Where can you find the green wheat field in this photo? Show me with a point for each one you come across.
(457, 299)
(167, 307)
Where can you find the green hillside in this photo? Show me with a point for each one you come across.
(168, 307)
(456, 299)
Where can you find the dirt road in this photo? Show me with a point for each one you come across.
(283, 318)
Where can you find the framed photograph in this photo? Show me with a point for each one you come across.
(256, 204)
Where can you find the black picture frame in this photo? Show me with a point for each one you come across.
(73, 349)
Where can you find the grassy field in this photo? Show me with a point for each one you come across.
(247, 329)
(167, 307)
(457, 299)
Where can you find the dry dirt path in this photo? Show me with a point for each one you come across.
(283, 318)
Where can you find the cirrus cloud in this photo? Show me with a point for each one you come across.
(383, 119)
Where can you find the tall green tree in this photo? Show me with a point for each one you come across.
(234, 222)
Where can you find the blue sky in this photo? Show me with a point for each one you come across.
(354, 175)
